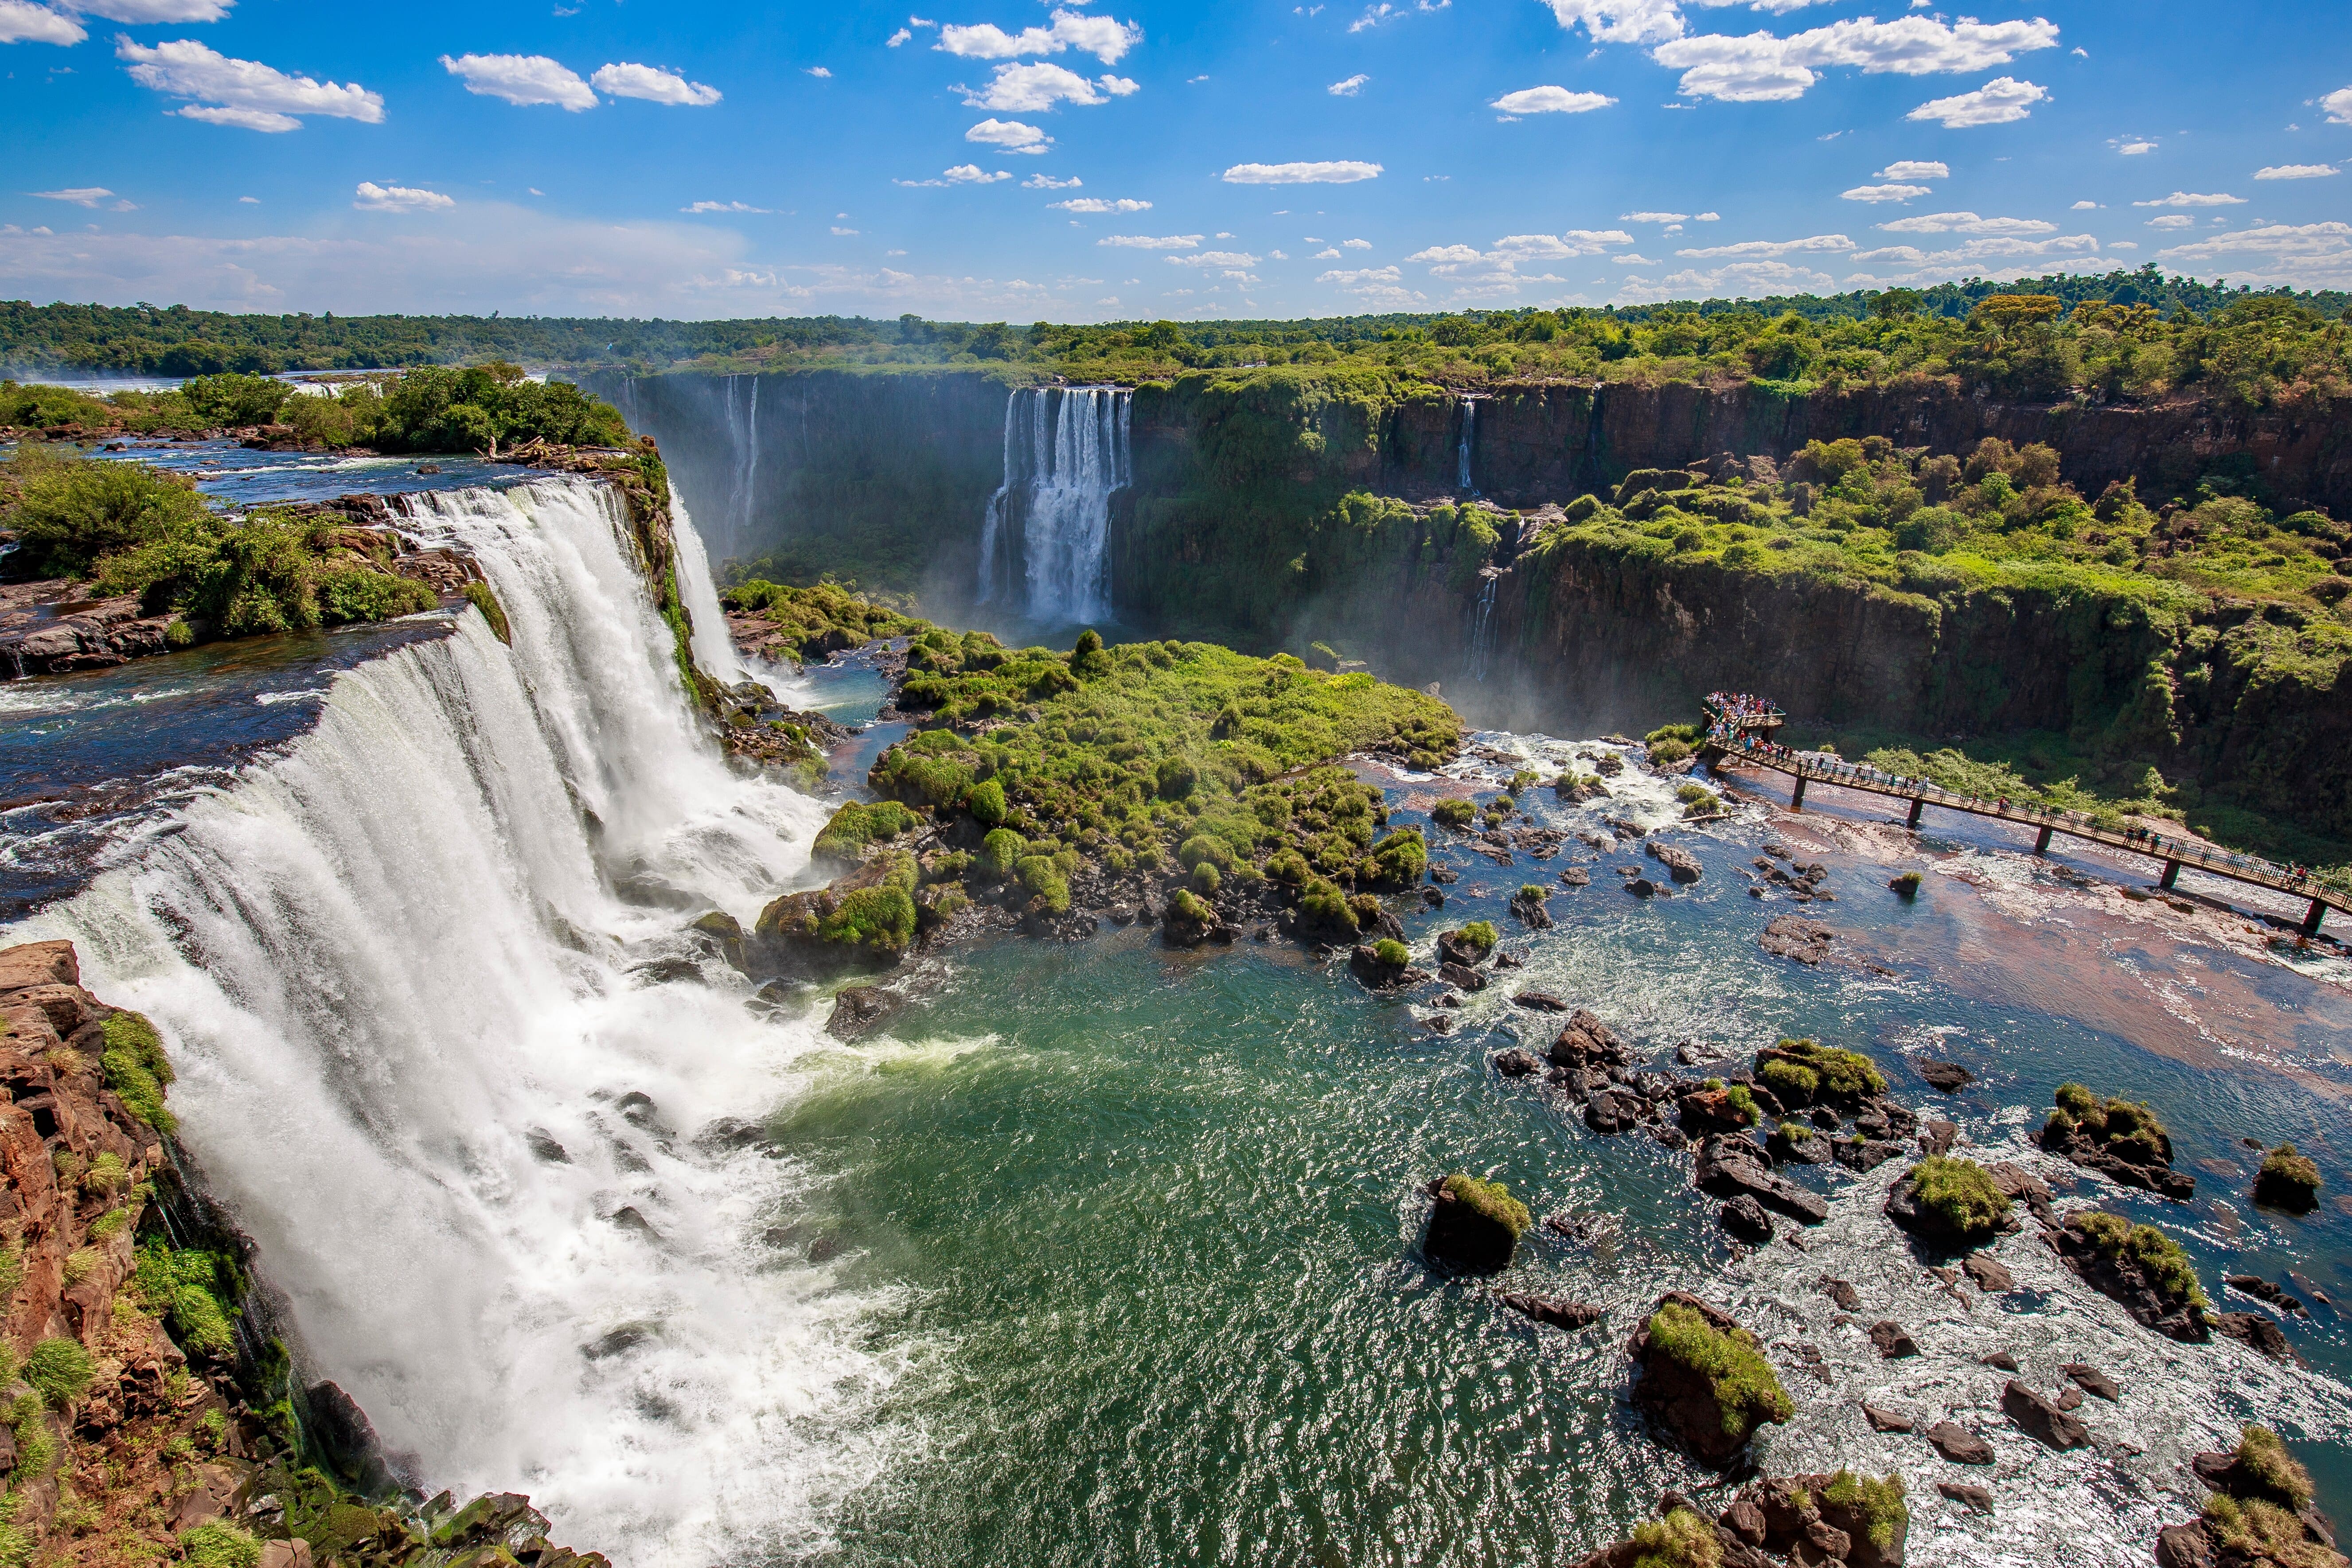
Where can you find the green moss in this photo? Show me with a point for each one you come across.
(1397, 861)
(1743, 1384)
(1182, 906)
(1879, 1504)
(2289, 1173)
(985, 801)
(479, 595)
(1042, 878)
(1961, 1195)
(1391, 953)
(1453, 813)
(1481, 935)
(59, 1369)
(879, 919)
(856, 827)
(2130, 1129)
(136, 1069)
(1681, 1539)
(1492, 1200)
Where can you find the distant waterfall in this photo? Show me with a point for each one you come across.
(1482, 629)
(1045, 538)
(743, 435)
(1461, 453)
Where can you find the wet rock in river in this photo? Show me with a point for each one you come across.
(1744, 1218)
(1560, 1314)
(1946, 1077)
(1517, 1062)
(1795, 937)
(1704, 1379)
(1885, 1420)
(1680, 864)
(2042, 1418)
(1976, 1498)
(2092, 1381)
(1990, 1278)
(2259, 1332)
(1958, 1445)
(1892, 1340)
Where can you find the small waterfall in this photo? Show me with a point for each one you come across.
(405, 993)
(1482, 629)
(1462, 452)
(714, 650)
(743, 435)
(1047, 528)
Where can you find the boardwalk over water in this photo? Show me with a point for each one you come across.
(1740, 737)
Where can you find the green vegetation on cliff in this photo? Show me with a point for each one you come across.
(127, 529)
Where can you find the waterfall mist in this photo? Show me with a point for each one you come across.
(407, 1000)
(1044, 544)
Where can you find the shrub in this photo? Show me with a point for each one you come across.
(1399, 860)
(1845, 1075)
(2166, 1264)
(105, 1174)
(1185, 907)
(2288, 1179)
(1207, 879)
(1288, 867)
(233, 399)
(1040, 878)
(136, 1069)
(1480, 935)
(880, 919)
(1204, 848)
(218, 1545)
(1906, 884)
(1879, 1504)
(2258, 1532)
(1176, 778)
(78, 1265)
(1492, 1200)
(1744, 1102)
(2263, 1461)
(856, 827)
(2129, 1129)
(60, 1371)
(1743, 1383)
(70, 512)
(1961, 1195)
(985, 801)
(1453, 813)
(1667, 752)
(1391, 953)
(1001, 851)
(1681, 1539)
(1792, 1083)
(187, 1288)
(1323, 903)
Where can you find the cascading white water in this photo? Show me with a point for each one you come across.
(1482, 629)
(714, 650)
(1461, 453)
(743, 435)
(392, 966)
(1048, 525)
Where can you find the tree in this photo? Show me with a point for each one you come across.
(1894, 304)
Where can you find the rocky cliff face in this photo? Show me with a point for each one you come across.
(1540, 442)
(152, 1413)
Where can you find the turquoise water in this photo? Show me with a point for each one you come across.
(1148, 1225)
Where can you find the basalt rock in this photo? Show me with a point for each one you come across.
(1473, 1227)
(1744, 1218)
(1517, 1062)
(1461, 976)
(2142, 1290)
(1947, 1077)
(1729, 1166)
(1571, 1315)
(1711, 1412)
(1680, 864)
(1959, 1445)
(1990, 1278)
(2092, 1381)
(2041, 1417)
(1795, 937)
(2259, 1332)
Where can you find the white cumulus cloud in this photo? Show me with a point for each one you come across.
(2308, 256)
(1654, 217)
(2297, 171)
(626, 80)
(137, 12)
(1769, 248)
(1037, 89)
(2338, 105)
(80, 196)
(2134, 149)
(1550, 100)
(720, 207)
(1967, 223)
(1100, 36)
(1010, 134)
(21, 22)
(2172, 220)
(1349, 88)
(1999, 101)
(1760, 67)
(1910, 169)
(243, 92)
(1219, 259)
(1097, 205)
(1148, 242)
(1621, 21)
(375, 199)
(1047, 182)
(1884, 193)
(1341, 172)
(523, 79)
(2191, 199)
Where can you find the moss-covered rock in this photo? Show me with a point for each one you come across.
(1950, 1200)
(1474, 1226)
(2123, 1140)
(2288, 1181)
(1704, 1378)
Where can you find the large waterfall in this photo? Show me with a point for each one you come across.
(417, 971)
(1044, 542)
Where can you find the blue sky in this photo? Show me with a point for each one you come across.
(1009, 159)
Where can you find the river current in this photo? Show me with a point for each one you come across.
(1097, 1253)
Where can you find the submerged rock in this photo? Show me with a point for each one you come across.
(1560, 1314)
(1946, 1077)
(2288, 1181)
(1680, 864)
(1795, 937)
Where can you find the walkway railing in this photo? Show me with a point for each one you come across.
(1726, 742)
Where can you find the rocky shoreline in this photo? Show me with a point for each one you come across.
(154, 1407)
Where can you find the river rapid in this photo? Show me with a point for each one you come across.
(1097, 1253)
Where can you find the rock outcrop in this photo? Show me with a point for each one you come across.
(1473, 1227)
(2138, 1267)
(1704, 1379)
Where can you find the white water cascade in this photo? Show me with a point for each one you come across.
(1482, 629)
(714, 650)
(407, 1000)
(743, 436)
(1048, 529)
(1462, 452)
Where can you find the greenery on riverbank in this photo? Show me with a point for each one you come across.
(486, 408)
(126, 529)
